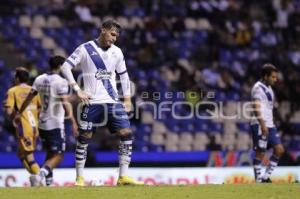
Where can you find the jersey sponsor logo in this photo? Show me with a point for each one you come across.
(43, 121)
(98, 62)
(46, 81)
(94, 53)
(73, 57)
(22, 95)
(102, 74)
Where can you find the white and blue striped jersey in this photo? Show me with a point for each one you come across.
(265, 95)
(50, 87)
(99, 68)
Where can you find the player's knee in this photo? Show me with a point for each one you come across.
(55, 155)
(259, 155)
(125, 134)
(58, 157)
(84, 137)
(279, 151)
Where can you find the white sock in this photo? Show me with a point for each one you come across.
(44, 172)
(125, 151)
(80, 155)
(270, 168)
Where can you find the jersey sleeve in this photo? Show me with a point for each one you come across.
(75, 58)
(256, 94)
(62, 88)
(121, 66)
(124, 78)
(10, 100)
(35, 84)
(37, 100)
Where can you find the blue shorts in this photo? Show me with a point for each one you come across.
(53, 140)
(272, 139)
(111, 115)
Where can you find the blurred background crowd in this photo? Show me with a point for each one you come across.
(191, 47)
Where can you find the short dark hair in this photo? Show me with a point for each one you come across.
(110, 23)
(55, 62)
(22, 74)
(267, 70)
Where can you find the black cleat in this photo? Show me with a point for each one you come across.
(268, 180)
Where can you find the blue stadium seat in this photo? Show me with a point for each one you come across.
(31, 54)
(220, 96)
(8, 32)
(200, 125)
(173, 125)
(140, 146)
(243, 126)
(187, 125)
(10, 21)
(200, 37)
(296, 127)
(233, 96)
(215, 127)
(156, 148)
(51, 32)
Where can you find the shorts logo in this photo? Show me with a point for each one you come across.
(123, 116)
(102, 74)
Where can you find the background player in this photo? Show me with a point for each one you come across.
(53, 90)
(26, 125)
(99, 61)
(263, 129)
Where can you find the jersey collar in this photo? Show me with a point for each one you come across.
(264, 85)
(98, 45)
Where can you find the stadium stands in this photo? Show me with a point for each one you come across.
(208, 50)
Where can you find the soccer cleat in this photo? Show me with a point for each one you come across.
(267, 180)
(258, 180)
(34, 181)
(42, 181)
(126, 180)
(37, 180)
(79, 181)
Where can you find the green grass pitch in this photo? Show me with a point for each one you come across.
(252, 191)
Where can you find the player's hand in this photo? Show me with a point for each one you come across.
(83, 96)
(264, 130)
(127, 104)
(75, 129)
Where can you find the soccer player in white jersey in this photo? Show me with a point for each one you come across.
(100, 60)
(264, 132)
(53, 90)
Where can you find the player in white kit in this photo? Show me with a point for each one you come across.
(53, 90)
(100, 60)
(264, 132)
